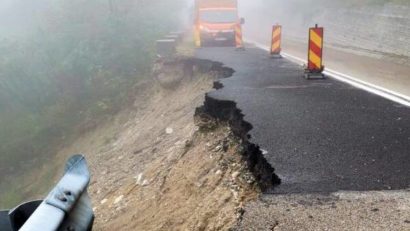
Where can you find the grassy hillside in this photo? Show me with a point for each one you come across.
(75, 66)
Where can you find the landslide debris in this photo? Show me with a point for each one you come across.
(155, 167)
(226, 112)
(200, 185)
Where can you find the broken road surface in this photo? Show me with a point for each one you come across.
(320, 135)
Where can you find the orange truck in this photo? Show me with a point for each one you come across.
(215, 22)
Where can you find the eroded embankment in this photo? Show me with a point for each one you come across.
(217, 112)
(169, 163)
(224, 111)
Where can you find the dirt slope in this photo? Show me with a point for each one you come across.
(154, 169)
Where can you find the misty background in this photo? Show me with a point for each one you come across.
(67, 65)
(372, 26)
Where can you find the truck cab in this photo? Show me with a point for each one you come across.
(215, 22)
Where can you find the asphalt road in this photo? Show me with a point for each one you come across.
(321, 135)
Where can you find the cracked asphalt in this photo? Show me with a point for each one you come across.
(321, 136)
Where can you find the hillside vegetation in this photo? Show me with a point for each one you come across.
(74, 67)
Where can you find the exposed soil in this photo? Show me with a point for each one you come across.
(155, 168)
(199, 185)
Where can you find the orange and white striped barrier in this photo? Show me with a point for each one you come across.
(315, 53)
(276, 43)
(238, 37)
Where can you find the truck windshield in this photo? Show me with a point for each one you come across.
(218, 16)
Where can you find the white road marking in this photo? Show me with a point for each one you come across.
(374, 89)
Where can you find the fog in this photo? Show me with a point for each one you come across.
(69, 63)
(366, 39)
(20, 17)
(65, 63)
(381, 26)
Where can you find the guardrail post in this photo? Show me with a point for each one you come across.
(67, 206)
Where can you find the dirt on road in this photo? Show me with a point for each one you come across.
(382, 210)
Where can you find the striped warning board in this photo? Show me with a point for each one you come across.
(276, 40)
(315, 56)
(238, 36)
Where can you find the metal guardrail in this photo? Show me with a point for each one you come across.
(67, 207)
(166, 47)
